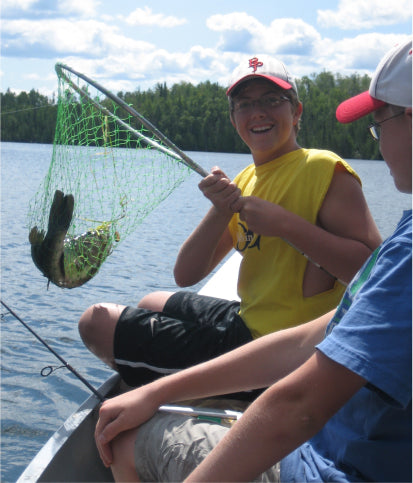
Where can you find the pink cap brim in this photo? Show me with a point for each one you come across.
(357, 107)
(280, 82)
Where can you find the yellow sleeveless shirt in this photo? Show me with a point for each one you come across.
(271, 272)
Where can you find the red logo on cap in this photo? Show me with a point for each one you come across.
(255, 63)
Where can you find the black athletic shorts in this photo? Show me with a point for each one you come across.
(192, 329)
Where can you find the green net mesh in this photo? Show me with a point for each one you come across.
(106, 174)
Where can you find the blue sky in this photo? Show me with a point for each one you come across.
(130, 44)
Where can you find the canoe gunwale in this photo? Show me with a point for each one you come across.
(55, 461)
(55, 449)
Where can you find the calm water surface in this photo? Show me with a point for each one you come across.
(33, 407)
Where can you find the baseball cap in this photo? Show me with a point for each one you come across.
(391, 84)
(265, 67)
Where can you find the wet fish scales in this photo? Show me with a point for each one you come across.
(68, 262)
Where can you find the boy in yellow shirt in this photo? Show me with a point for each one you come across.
(290, 201)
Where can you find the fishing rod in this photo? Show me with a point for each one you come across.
(217, 415)
(65, 363)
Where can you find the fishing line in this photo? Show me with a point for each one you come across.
(218, 415)
(49, 369)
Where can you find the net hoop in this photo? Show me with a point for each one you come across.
(176, 152)
(110, 168)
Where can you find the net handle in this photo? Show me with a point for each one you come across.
(185, 158)
(126, 126)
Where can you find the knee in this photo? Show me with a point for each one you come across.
(97, 329)
(123, 448)
(88, 320)
(155, 301)
(98, 320)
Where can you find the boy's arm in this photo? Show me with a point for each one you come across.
(211, 240)
(280, 420)
(203, 249)
(254, 365)
(346, 216)
(345, 234)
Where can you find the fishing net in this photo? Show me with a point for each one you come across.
(110, 168)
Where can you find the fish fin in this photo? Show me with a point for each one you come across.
(48, 250)
(36, 236)
(61, 212)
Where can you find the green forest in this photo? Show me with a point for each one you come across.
(196, 118)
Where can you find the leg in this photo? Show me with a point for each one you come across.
(143, 345)
(97, 324)
(97, 327)
(123, 466)
(169, 447)
(155, 301)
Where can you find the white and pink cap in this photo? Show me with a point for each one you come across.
(391, 84)
(265, 67)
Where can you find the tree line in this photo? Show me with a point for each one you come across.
(196, 118)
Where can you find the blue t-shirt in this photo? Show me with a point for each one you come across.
(369, 438)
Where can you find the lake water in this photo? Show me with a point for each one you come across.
(32, 406)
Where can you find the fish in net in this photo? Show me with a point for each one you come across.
(110, 168)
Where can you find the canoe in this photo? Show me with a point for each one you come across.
(70, 455)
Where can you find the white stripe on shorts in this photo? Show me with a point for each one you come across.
(144, 365)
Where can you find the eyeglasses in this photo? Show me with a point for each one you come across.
(375, 127)
(268, 102)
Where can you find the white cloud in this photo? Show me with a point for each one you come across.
(233, 21)
(365, 14)
(288, 36)
(357, 54)
(52, 9)
(243, 33)
(64, 37)
(84, 8)
(145, 16)
(33, 76)
(143, 71)
(17, 4)
(123, 64)
(106, 49)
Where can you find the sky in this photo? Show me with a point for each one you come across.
(129, 45)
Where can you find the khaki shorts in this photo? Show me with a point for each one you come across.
(169, 447)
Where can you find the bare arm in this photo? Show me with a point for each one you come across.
(251, 366)
(281, 419)
(343, 238)
(211, 240)
(254, 365)
(203, 250)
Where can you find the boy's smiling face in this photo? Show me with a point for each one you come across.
(268, 131)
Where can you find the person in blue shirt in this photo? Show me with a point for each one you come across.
(338, 403)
